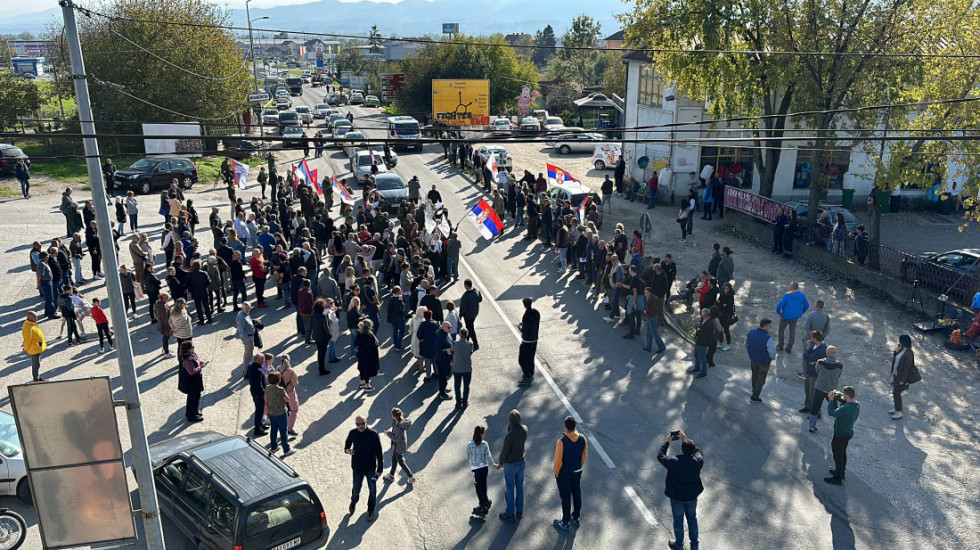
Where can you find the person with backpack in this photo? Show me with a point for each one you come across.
(399, 445)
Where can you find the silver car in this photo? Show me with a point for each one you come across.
(578, 143)
(305, 114)
(361, 165)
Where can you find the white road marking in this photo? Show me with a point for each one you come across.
(647, 514)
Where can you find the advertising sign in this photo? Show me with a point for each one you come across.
(319, 58)
(752, 204)
(261, 96)
(461, 102)
(392, 85)
(450, 28)
(188, 144)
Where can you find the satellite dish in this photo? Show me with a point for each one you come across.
(643, 161)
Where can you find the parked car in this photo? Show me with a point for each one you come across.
(606, 155)
(241, 149)
(320, 110)
(391, 189)
(361, 165)
(9, 155)
(502, 124)
(305, 114)
(12, 466)
(356, 98)
(504, 160)
(575, 192)
(231, 492)
(148, 174)
(529, 125)
(331, 99)
(372, 101)
(955, 273)
(553, 123)
(289, 119)
(802, 210)
(577, 143)
(540, 114)
(293, 137)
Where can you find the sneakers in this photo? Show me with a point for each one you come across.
(290, 452)
(813, 430)
(168, 355)
(755, 399)
(411, 480)
(101, 349)
(726, 348)
(504, 517)
(896, 415)
(274, 449)
(683, 240)
(674, 545)
(388, 477)
(292, 432)
(610, 319)
(371, 516)
(892, 411)
(560, 525)
(833, 473)
(576, 522)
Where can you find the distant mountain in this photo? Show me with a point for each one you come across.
(407, 18)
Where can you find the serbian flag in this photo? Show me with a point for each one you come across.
(558, 176)
(240, 170)
(316, 183)
(303, 172)
(485, 219)
(345, 195)
(583, 209)
(492, 164)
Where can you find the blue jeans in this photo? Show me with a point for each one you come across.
(514, 486)
(680, 510)
(653, 198)
(331, 351)
(25, 186)
(47, 291)
(452, 267)
(561, 257)
(653, 334)
(300, 329)
(277, 427)
(614, 302)
(398, 332)
(701, 360)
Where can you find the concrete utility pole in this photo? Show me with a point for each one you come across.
(150, 510)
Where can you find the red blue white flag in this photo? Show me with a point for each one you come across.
(485, 219)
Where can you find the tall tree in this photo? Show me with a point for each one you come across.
(196, 71)
(18, 97)
(350, 59)
(770, 86)
(546, 41)
(584, 33)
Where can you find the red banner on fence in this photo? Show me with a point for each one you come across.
(752, 204)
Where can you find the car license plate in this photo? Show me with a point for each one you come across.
(289, 544)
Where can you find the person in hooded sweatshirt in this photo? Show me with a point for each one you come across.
(512, 461)
(829, 370)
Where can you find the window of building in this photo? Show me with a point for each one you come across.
(733, 165)
(651, 88)
(836, 163)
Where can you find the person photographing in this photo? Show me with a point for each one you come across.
(683, 486)
(845, 410)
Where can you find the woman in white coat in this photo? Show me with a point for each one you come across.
(417, 320)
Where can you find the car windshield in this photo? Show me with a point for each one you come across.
(302, 109)
(501, 123)
(143, 165)
(553, 120)
(288, 116)
(272, 112)
(406, 128)
(342, 123)
(387, 184)
(320, 106)
(13, 152)
(9, 442)
(365, 160)
(278, 511)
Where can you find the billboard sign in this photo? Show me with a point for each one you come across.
(450, 28)
(754, 205)
(188, 144)
(319, 58)
(392, 85)
(461, 102)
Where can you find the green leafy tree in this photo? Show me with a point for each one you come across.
(283, 35)
(584, 33)
(480, 58)
(203, 75)
(546, 41)
(614, 80)
(772, 86)
(350, 59)
(18, 97)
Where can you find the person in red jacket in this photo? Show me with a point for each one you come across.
(101, 325)
(305, 301)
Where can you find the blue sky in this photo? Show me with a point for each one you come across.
(41, 5)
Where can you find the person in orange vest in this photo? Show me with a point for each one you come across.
(34, 344)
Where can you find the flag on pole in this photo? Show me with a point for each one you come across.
(316, 183)
(558, 176)
(303, 171)
(296, 175)
(345, 195)
(492, 164)
(240, 170)
(485, 219)
(582, 209)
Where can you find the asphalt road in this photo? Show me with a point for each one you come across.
(763, 478)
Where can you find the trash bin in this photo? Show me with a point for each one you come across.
(895, 204)
(945, 204)
(883, 200)
(847, 198)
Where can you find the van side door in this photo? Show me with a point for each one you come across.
(192, 502)
(218, 530)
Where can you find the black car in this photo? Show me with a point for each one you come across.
(230, 492)
(391, 189)
(9, 155)
(148, 174)
(955, 273)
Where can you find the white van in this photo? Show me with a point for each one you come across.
(606, 155)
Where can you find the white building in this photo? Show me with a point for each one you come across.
(652, 105)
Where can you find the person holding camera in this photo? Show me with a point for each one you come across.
(683, 486)
(845, 410)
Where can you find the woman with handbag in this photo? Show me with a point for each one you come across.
(289, 383)
(726, 305)
(190, 381)
(684, 215)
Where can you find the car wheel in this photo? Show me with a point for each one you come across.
(188, 182)
(565, 149)
(24, 492)
(599, 165)
(144, 188)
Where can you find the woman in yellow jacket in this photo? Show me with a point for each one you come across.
(34, 344)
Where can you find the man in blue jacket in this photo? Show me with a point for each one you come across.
(761, 350)
(683, 487)
(790, 308)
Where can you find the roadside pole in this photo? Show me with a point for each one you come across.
(149, 508)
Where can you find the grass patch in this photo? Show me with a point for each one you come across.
(390, 110)
(8, 191)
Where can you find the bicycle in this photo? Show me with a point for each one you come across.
(13, 529)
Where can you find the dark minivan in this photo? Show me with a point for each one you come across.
(147, 174)
(229, 492)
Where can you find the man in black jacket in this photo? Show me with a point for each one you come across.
(431, 302)
(469, 308)
(256, 387)
(198, 283)
(529, 341)
(683, 487)
(366, 459)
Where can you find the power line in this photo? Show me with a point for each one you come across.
(119, 89)
(176, 66)
(427, 41)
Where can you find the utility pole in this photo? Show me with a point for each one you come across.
(149, 508)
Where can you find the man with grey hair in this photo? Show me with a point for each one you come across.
(246, 332)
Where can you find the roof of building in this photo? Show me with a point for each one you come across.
(618, 35)
(637, 55)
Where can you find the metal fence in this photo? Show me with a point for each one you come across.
(959, 283)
